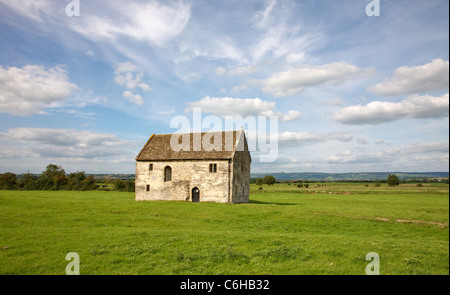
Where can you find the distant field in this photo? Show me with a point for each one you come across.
(284, 230)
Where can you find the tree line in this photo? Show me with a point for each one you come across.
(392, 180)
(55, 178)
(268, 179)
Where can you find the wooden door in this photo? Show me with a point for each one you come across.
(195, 195)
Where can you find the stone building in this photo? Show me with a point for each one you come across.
(194, 167)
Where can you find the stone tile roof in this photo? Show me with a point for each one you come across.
(158, 147)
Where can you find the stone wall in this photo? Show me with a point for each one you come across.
(186, 175)
(241, 177)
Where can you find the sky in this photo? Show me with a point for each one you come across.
(83, 84)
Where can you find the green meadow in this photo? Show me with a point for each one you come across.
(284, 229)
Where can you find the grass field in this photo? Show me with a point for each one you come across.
(284, 230)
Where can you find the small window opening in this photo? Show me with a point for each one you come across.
(167, 174)
(150, 167)
(212, 168)
(147, 188)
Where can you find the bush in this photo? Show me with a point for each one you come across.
(393, 180)
(8, 181)
(28, 182)
(124, 185)
(79, 182)
(53, 178)
(269, 180)
(259, 181)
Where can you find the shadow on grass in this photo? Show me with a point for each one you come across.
(271, 203)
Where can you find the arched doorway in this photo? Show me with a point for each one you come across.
(195, 195)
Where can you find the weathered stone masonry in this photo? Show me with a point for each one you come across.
(205, 176)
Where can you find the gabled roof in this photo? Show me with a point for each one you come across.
(159, 148)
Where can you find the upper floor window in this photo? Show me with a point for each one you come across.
(150, 167)
(167, 174)
(212, 168)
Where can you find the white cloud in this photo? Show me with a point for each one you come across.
(362, 140)
(31, 9)
(79, 100)
(144, 86)
(220, 71)
(293, 58)
(130, 76)
(26, 91)
(263, 18)
(428, 157)
(295, 81)
(151, 22)
(433, 76)
(230, 106)
(242, 70)
(238, 88)
(427, 148)
(351, 157)
(212, 45)
(291, 116)
(426, 153)
(62, 137)
(41, 146)
(294, 139)
(282, 35)
(377, 112)
(64, 143)
(125, 67)
(142, 21)
(133, 98)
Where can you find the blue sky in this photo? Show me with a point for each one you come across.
(352, 93)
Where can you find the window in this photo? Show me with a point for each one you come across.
(150, 167)
(167, 174)
(147, 189)
(212, 168)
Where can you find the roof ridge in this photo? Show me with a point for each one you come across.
(202, 132)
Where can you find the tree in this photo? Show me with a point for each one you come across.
(393, 180)
(259, 181)
(119, 185)
(79, 181)
(28, 182)
(124, 185)
(54, 178)
(269, 180)
(8, 181)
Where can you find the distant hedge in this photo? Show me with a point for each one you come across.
(55, 178)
